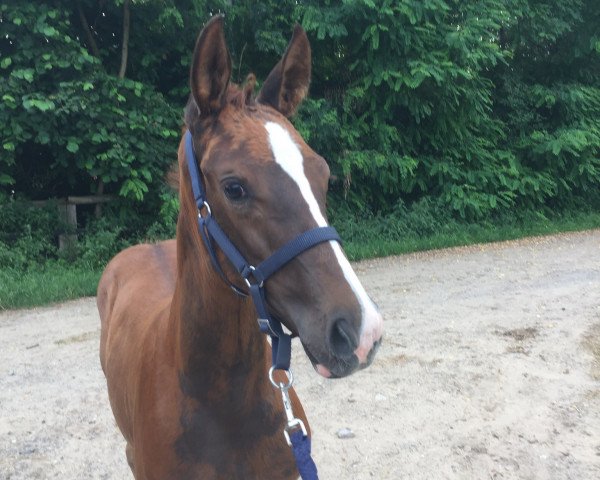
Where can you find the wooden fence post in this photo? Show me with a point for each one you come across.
(68, 214)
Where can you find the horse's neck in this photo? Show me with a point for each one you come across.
(216, 330)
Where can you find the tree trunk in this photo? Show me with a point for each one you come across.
(88, 33)
(125, 44)
(99, 191)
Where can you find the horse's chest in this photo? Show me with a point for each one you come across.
(232, 443)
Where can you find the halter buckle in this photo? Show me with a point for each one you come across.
(208, 210)
(264, 325)
(250, 271)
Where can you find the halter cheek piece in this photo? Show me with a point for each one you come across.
(254, 277)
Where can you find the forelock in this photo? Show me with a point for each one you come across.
(241, 98)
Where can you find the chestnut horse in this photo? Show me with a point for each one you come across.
(186, 365)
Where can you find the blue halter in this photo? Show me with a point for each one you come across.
(254, 277)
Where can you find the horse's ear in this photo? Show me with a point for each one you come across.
(211, 67)
(287, 84)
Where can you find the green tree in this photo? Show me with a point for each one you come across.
(480, 105)
(68, 121)
(415, 98)
(472, 107)
(549, 98)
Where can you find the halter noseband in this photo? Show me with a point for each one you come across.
(211, 231)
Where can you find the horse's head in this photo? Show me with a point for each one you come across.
(265, 186)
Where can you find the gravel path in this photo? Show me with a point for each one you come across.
(489, 370)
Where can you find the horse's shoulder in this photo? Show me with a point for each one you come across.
(144, 259)
(143, 275)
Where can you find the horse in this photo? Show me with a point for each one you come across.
(185, 364)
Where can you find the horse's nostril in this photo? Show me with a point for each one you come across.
(342, 339)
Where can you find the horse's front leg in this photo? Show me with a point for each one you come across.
(129, 454)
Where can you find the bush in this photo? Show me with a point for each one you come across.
(166, 225)
(27, 233)
(102, 241)
(429, 113)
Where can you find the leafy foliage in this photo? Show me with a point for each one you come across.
(65, 122)
(424, 100)
(422, 107)
(26, 234)
(549, 99)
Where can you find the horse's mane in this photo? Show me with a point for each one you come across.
(242, 97)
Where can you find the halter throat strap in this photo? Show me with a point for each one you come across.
(255, 277)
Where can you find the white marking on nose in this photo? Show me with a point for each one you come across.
(288, 156)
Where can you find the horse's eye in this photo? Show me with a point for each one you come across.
(235, 191)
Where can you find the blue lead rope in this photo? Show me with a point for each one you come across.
(281, 343)
(304, 462)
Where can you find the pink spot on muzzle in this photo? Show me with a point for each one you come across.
(323, 371)
(371, 333)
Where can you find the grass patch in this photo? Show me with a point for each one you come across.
(375, 241)
(50, 284)
(402, 232)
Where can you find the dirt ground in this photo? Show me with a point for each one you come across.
(489, 370)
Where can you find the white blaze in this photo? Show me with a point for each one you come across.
(288, 156)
